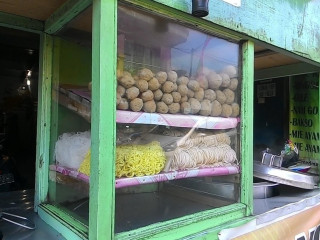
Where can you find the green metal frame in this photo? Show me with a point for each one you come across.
(246, 196)
(102, 191)
(20, 23)
(44, 119)
(103, 117)
(62, 222)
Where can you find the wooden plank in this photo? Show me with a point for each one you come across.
(246, 194)
(35, 9)
(284, 71)
(65, 14)
(22, 23)
(103, 128)
(273, 60)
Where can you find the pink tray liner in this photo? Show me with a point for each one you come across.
(161, 177)
(175, 120)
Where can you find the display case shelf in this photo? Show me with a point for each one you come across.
(161, 177)
(78, 100)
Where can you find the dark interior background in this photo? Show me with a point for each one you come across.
(19, 53)
(271, 117)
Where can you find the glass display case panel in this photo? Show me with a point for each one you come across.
(178, 114)
(70, 118)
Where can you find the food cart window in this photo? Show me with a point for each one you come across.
(178, 117)
(178, 113)
(70, 121)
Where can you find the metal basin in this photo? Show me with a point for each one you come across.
(285, 176)
(263, 190)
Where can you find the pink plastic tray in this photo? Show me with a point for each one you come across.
(161, 177)
(174, 120)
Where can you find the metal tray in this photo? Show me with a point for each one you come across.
(285, 176)
(263, 190)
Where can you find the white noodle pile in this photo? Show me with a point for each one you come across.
(71, 149)
(203, 151)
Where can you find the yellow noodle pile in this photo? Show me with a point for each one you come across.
(85, 165)
(134, 160)
(139, 160)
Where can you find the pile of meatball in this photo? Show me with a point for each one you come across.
(207, 94)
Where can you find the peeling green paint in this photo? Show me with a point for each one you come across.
(267, 21)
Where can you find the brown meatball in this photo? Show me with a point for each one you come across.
(210, 94)
(176, 97)
(225, 80)
(167, 98)
(118, 98)
(231, 71)
(182, 80)
(193, 85)
(184, 99)
(123, 104)
(206, 107)
(142, 85)
(136, 77)
(235, 110)
(162, 77)
(136, 104)
(216, 109)
(185, 108)
(132, 93)
(121, 90)
(199, 95)
(174, 108)
(226, 110)
(175, 87)
(203, 81)
(125, 73)
(190, 93)
(203, 71)
(162, 107)
(147, 96)
(167, 87)
(145, 74)
(172, 76)
(195, 105)
(214, 80)
(183, 90)
(229, 95)
(158, 95)
(154, 84)
(149, 106)
(221, 97)
(127, 81)
(233, 84)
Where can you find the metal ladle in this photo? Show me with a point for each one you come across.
(20, 221)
